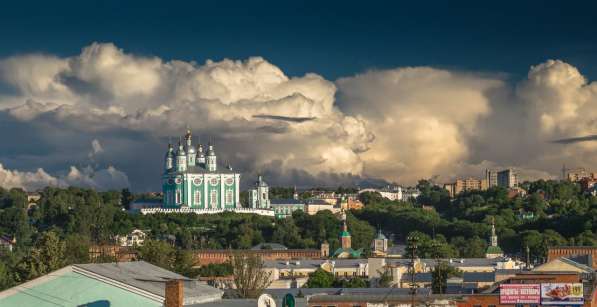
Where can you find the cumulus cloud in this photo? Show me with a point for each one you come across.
(398, 124)
(105, 179)
(422, 118)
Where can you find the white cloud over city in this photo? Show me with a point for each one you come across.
(102, 119)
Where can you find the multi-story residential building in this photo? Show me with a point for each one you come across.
(507, 178)
(491, 177)
(468, 184)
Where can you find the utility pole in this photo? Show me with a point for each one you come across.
(438, 267)
(412, 241)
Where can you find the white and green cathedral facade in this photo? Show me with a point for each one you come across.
(193, 179)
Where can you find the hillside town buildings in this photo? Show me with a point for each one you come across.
(468, 184)
(507, 178)
(395, 192)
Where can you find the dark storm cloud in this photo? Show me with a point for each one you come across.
(578, 139)
(285, 118)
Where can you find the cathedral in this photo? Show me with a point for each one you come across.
(193, 178)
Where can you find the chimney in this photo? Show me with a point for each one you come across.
(174, 293)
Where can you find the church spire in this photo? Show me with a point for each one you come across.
(493, 250)
(494, 238)
(345, 238)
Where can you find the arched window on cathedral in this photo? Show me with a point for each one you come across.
(197, 197)
(229, 197)
(213, 199)
(178, 197)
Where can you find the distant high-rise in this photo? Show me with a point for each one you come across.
(507, 178)
(491, 177)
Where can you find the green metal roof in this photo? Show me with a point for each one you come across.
(73, 289)
(494, 250)
(353, 253)
(345, 234)
(381, 236)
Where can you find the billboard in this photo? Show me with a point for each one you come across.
(562, 294)
(520, 294)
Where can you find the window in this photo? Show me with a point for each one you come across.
(477, 306)
(229, 197)
(178, 197)
(494, 305)
(213, 198)
(264, 196)
(197, 197)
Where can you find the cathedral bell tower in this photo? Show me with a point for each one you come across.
(493, 250)
(345, 237)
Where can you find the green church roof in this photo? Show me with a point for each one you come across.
(353, 253)
(345, 234)
(494, 250)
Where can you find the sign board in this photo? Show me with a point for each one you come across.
(562, 294)
(520, 294)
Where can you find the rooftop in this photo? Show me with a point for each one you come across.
(286, 201)
(149, 278)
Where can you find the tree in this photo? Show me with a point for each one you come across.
(250, 277)
(77, 248)
(126, 198)
(385, 279)
(6, 280)
(46, 256)
(51, 250)
(183, 263)
(320, 279)
(370, 198)
(216, 270)
(158, 253)
(440, 274)
(355, 282)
